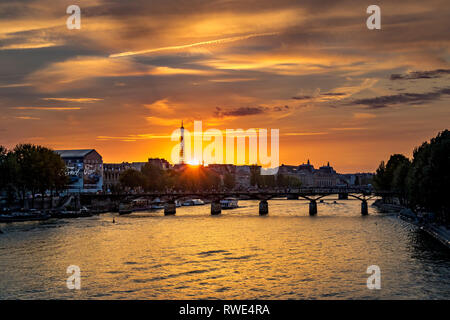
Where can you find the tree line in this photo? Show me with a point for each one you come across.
(153, 178)
(420, 183)
(271, 181)
(29, 170)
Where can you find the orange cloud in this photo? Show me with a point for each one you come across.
(80, 100)
(48, 108)
(77, 72)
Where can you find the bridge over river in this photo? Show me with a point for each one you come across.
(264, 195)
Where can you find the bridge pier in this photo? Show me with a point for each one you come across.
(170, 209)
(364, 208)
(343, 196)
(263, 208)
(313, 208)
(216, 207)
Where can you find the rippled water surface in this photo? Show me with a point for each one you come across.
(238, 255)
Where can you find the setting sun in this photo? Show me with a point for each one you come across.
(193, 162)
(217, 156)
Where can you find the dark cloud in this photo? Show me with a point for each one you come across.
(278, 108)
(333, 94)
(327, 94)
(404, 98)
(420, 74)
(248, 111)
(239, 112)
(302, 97)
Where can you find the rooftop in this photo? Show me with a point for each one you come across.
(74, 153)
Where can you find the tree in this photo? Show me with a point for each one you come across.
(229, 181)
(422, 183)
(155, 177)
(30, 169)
(400, 180)
(255, 173)
(3, 152)
(132, 179)
(384, 177)
(211, 180)
(53, 172)
(282, 180)
(36, 169)
(294, 182)
(8, 173)
(286, 181)
(379, 180)
(3, 167)
(429, 176)
(28, 174)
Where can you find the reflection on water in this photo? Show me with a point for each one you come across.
(238, 255)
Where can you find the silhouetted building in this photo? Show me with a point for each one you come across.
(84, 168)
(243, 175)
(182, 143)
(160, 163)
(306, 167)
(326, 176)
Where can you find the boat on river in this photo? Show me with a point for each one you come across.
(229, 203)
(82, 213)
(20, 216)
(193, 202)
(157, 204)
(141, 204)
(125, 208)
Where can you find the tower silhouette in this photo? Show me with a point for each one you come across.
(182, 143)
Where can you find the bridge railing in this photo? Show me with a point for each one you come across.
(262, 191)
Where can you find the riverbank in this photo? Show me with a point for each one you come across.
(439, 232)
(42, 215)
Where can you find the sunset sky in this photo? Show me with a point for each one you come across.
(337, 91)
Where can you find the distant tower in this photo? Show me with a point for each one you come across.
(182, 143)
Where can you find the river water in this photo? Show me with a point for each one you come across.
(238, 255)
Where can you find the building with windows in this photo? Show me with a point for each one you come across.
(85, 170)
(111, 174)
(112, 171)
(243, 175)
(325, 176)
(357, 179)
(160, 163)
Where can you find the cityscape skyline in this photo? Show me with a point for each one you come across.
(322, 160)
(292, 66)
